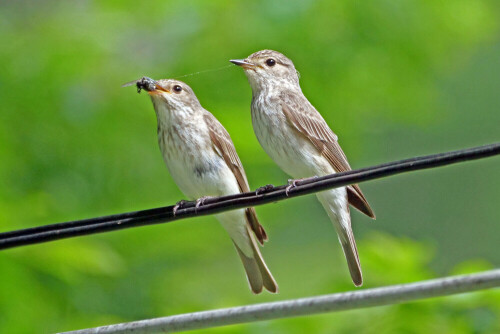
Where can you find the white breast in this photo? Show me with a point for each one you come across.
(195, 167)
(293, 153)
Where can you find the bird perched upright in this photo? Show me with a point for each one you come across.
(297, 138)
(202, 160)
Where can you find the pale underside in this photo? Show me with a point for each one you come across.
(201, 167)
(202, 160)
(298, 139)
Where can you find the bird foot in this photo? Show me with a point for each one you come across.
(264, 189)
(200, 201)
(178, 205)
(293, 183)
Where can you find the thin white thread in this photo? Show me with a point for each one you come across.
(204, 71)
(133, 82)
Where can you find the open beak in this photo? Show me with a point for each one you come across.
(243, 63)
(153, 87)
(148, 84)
(161, 88)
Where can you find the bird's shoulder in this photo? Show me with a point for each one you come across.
(309, 122)
(213, 125)
(223, 145)
(304, 116)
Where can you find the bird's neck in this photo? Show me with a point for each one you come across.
(273, 88)
(168, 116)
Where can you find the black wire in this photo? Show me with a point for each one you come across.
(269, 194)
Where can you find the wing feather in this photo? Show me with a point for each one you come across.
(224, 147)
(308, 121)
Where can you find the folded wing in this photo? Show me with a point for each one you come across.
(308, 121)
(224, 147)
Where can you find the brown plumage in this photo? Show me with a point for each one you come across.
(202, 160)
(297, 138)
(309, 123)
(225, 148)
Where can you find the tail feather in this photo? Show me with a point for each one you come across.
(335, 203)
(252, 270)
(352, 257)
(258, 274)
(267, 278)
(244, 240)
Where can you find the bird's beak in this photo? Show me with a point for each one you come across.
(156, 89)
(160, 88)
(243, 63)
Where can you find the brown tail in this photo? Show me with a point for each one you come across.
(352, 257)
(258, 274)
(341, 219)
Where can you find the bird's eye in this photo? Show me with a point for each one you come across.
(270, 62)
(177, 89)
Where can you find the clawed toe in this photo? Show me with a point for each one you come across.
(199, 202)
(291, 184)
(264, 189)
(177, 206)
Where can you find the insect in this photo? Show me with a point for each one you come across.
(142, 83)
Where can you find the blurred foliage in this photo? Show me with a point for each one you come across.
(394, 79)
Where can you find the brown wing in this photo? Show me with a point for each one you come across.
(308, 121)
(224, 146)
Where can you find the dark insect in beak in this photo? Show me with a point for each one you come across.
(143, 83)
(146, 83)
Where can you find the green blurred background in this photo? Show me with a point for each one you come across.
(394, 79)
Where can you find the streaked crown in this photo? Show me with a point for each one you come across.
(176, 94)
(270, 68)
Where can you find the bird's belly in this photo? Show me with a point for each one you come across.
(199, 174)
(292, 152)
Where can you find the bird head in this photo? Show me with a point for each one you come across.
(174, 94)
(268, 69)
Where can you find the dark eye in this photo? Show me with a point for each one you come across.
(177, 89)
(270, 62)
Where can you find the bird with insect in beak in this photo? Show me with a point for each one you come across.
(202, 160)
(297, 138)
